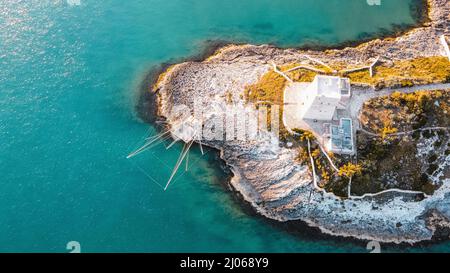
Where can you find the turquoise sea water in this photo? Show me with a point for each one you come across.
(69, 76)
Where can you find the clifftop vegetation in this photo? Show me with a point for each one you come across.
(406, 73)
(414, 160)
(405, 112)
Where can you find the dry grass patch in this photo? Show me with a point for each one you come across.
(406, 73)
(405, 112)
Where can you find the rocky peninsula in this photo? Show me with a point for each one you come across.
(267, 171)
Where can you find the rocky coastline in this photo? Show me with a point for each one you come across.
(265, 172)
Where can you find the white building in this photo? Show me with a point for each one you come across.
(321, 107)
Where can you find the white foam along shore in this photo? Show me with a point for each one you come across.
(267, 175)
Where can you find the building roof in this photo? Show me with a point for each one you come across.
(331, 86)
(342, 136)
(326, 94)
(322, 108)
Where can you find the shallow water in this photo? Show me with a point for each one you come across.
(68, 86)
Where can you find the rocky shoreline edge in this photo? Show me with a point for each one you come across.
(227, 55)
